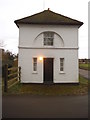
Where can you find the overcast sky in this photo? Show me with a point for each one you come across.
(11, 10)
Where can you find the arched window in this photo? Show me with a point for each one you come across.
(48, 38)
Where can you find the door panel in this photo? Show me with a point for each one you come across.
(48, 70)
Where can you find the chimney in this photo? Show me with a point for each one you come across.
(48, 8)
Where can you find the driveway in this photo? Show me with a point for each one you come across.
(28, 106)
(84, 73)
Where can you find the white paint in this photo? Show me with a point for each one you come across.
(30, 35)
(65, 46)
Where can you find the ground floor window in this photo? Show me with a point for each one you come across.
(61, 64)
(34, 64)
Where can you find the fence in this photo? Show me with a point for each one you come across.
(12, 76)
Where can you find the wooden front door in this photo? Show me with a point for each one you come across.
(48, 70)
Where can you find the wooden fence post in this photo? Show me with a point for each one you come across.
(5, 78)
(19, 74)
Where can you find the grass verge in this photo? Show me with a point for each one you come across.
(54, 89)
(84, 66)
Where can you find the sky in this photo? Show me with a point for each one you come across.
(11, 10)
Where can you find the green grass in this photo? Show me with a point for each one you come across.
(56, 89)
(84, 66)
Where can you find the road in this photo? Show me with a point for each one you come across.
(28, 106)
(84, 73)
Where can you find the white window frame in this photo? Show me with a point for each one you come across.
(61, 65)
(48, 38)
(34, 65)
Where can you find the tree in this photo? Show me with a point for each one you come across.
(7, 58)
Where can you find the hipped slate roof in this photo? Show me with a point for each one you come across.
(48, 17)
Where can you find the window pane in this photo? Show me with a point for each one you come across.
(48, 38)
(34, 59)
(51, 35)
(61, 69)
(46, 34)
(61, 64)
(34, 64)
(61, 59)
(35, 68)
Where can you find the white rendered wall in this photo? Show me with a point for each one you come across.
(65, 46)
(29, 33)
(70, 74)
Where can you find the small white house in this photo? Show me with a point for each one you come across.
(48, 48)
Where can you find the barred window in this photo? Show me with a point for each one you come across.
(48, 38)
(34, 64)
(61, 64)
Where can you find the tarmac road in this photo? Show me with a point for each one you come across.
(29, 106)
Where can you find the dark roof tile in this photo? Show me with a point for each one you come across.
(48, 17)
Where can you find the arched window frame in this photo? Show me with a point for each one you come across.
(48, 38)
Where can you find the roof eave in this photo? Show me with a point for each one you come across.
(18, 23)
(81, 23)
